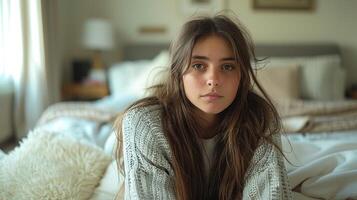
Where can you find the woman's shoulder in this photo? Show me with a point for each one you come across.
(143, 135)
(143, 119)
(143, 112)
(137, 117)
(142, 127)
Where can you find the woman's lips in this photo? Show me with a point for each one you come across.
(211, 96)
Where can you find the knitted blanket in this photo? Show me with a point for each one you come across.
(313, 117)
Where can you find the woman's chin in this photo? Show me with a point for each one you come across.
(212, 110)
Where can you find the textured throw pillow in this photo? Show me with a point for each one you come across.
(282, 83)
(322, 77)
(51, 166)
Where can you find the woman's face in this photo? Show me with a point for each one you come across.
(212, 78)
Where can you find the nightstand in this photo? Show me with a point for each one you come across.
(352, 92)
(84, 92)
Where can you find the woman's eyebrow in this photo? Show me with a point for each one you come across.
(228, 59)
(200, 57)
(197, 57)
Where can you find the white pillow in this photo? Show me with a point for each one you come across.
(51, 166)
(121, 76)
(135, 76)
(322, 77)
(154, 73)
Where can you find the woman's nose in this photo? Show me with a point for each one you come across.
(213, 78)
(212, 82)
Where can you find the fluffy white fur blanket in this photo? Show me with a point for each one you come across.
(51, 166)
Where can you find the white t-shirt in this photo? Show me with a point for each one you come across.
(208, 151)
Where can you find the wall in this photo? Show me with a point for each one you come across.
(332, 21)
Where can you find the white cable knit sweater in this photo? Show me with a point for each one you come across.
(149, 175)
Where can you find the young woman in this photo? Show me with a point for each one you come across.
(204, 133)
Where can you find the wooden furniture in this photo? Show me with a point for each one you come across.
(84, 92)
(352, 93)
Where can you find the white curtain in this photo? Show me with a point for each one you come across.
(23, 36)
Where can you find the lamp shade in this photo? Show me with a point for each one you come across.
(98, 34)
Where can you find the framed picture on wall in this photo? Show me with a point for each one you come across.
(284, 4)
(192, 7)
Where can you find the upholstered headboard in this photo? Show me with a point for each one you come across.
(148, 51)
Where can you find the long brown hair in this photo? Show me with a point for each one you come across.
(250, 118)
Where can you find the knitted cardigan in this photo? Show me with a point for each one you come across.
(149, 175)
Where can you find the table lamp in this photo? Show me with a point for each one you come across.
(98, 36)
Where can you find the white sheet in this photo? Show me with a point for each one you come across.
(324, 169)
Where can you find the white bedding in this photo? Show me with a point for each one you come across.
(323, 168)
(324, 164)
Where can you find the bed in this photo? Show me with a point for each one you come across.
(305, 81)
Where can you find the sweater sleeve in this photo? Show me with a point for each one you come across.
(148, 173)
(266, 177)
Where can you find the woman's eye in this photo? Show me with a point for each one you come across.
(227, 67)
(198, 66)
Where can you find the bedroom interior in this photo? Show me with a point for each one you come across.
(310, 71)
